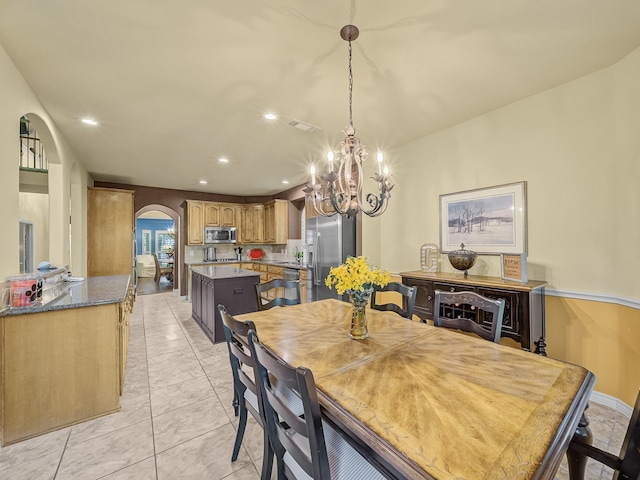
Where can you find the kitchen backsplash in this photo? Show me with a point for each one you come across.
(284, 253)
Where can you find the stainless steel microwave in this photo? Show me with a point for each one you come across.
(220, 235)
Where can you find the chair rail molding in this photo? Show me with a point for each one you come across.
(594, 297)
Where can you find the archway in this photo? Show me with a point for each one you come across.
(172, 214)
(36, 204)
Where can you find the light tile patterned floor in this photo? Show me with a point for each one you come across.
(176, 420)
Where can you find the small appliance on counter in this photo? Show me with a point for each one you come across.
(210, 254)
(238, 251)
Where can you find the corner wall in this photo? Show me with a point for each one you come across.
(17, 99)
(578, 148)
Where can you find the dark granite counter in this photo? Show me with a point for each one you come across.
(216, 272)
(277, 263)
(91, 291)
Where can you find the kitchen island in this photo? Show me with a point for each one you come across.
(230, 286)
(63, 361)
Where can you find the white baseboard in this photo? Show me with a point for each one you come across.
(611, 402)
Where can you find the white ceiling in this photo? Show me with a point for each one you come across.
(177, 84)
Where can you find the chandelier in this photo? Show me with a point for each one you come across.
(340, 190)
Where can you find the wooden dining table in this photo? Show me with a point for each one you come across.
(429, 403)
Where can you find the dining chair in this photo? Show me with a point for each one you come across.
(162, 271)
(627, 463)
(469, 312)
(408, 298)
(277, 293)
(245, 397)
(304, 446)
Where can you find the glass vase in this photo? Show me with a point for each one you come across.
(359, 329)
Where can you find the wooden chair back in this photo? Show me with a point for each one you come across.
(236, 335)
(245, 395)
(408, 299)
(469, 312)
(161, 271)
(627, 463)
(267, 299)
(300, 436)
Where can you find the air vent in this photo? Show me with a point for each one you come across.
(305, 127)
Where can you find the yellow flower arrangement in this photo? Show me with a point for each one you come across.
(354, 276)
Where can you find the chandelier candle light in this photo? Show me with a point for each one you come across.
(341, 191)
(355, 278)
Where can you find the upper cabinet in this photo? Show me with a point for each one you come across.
(195, 223)
(255, 222)
(276, 221)
(220, 215)
(212, 215)
(252, 223)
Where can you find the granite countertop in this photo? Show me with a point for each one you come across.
(216, 272)
(277, 263)
(91, 291)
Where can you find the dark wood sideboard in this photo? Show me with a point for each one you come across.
(524, 302)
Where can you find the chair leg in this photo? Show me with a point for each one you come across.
(236, 403)
(267, 457)
(242, 425)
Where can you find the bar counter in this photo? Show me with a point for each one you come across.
(63, 362)
(88, 293)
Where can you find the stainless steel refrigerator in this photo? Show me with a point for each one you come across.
(330, 240)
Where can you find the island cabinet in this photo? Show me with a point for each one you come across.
(523, 320)
(232, 287)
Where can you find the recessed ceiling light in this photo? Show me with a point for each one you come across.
(286, 182)
(270, 116)
(223, 160)
(203, 182)
(89, 121)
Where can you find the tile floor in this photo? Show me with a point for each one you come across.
(176, 420)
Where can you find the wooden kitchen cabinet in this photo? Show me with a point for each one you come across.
(59, 368)
(195, 223)
(252, 223)
(276, 221)
(219, 215)
(211, 215)
(303, 286)
(110, 229)
(523, 319)
(124, 327)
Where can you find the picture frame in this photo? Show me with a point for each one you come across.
(514, 267)
(491, 220)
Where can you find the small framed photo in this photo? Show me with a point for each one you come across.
(514, 267)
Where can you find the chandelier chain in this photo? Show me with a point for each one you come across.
(350, 89)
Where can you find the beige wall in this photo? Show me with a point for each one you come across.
(17, 99)
(578, 148)
(34, 208)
